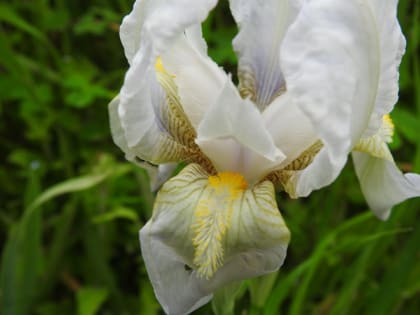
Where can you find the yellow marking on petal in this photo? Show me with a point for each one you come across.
(171, 112)
(305, 158)
(176, 122)
(159, 67)
(286, 176)
(228, 180)
(212, 220)
(387, 128)
(376, 145)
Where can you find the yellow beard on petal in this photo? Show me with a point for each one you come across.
(233, 182)
(212, 219)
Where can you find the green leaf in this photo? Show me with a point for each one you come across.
(283, 288)
(97, 21)
(148, 303)
(22, 259)
(89, 300)
(260, 289)
(392, 288)
(10, 279)
(407, 123)
(8, 15)
(316, 259)
(223, 302)
(117, 213)
(71, 185)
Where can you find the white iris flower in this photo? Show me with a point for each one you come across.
(317, 80)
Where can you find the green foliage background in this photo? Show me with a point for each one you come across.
(71, 207)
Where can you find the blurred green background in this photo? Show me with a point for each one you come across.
(71, 206)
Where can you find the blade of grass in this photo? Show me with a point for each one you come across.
(60, 243)
(11, 304)
(371, 253)
(89, 300)
(283, 287)
(22, 258)
(316, 259)
(97, 263)
(260, 289)
(10, 16)
(391, 288)
(68, 186)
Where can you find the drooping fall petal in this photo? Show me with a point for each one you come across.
(383, 184)
(207, 231)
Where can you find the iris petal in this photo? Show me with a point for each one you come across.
(147, 32)
(262, 26)
(235, 138)
(244, 224)
(383, 184)
(330, 58)
(198, 78)
(290, 128)
(393, 43)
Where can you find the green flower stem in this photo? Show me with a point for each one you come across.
(223, 302)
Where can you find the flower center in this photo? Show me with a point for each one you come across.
(212, 218)
(231, 181)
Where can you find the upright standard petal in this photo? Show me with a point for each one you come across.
(330, 58)
(198, 79)
(157, 174)
(392, 43)
(157, 145)
(148, 31)
(290, 128)
(117, 132)
(235, 138)
(383, 184)
(262, 25)
(207, 231)
(132, 26)
(160, 21)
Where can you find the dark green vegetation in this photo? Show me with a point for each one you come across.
(71, 205)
